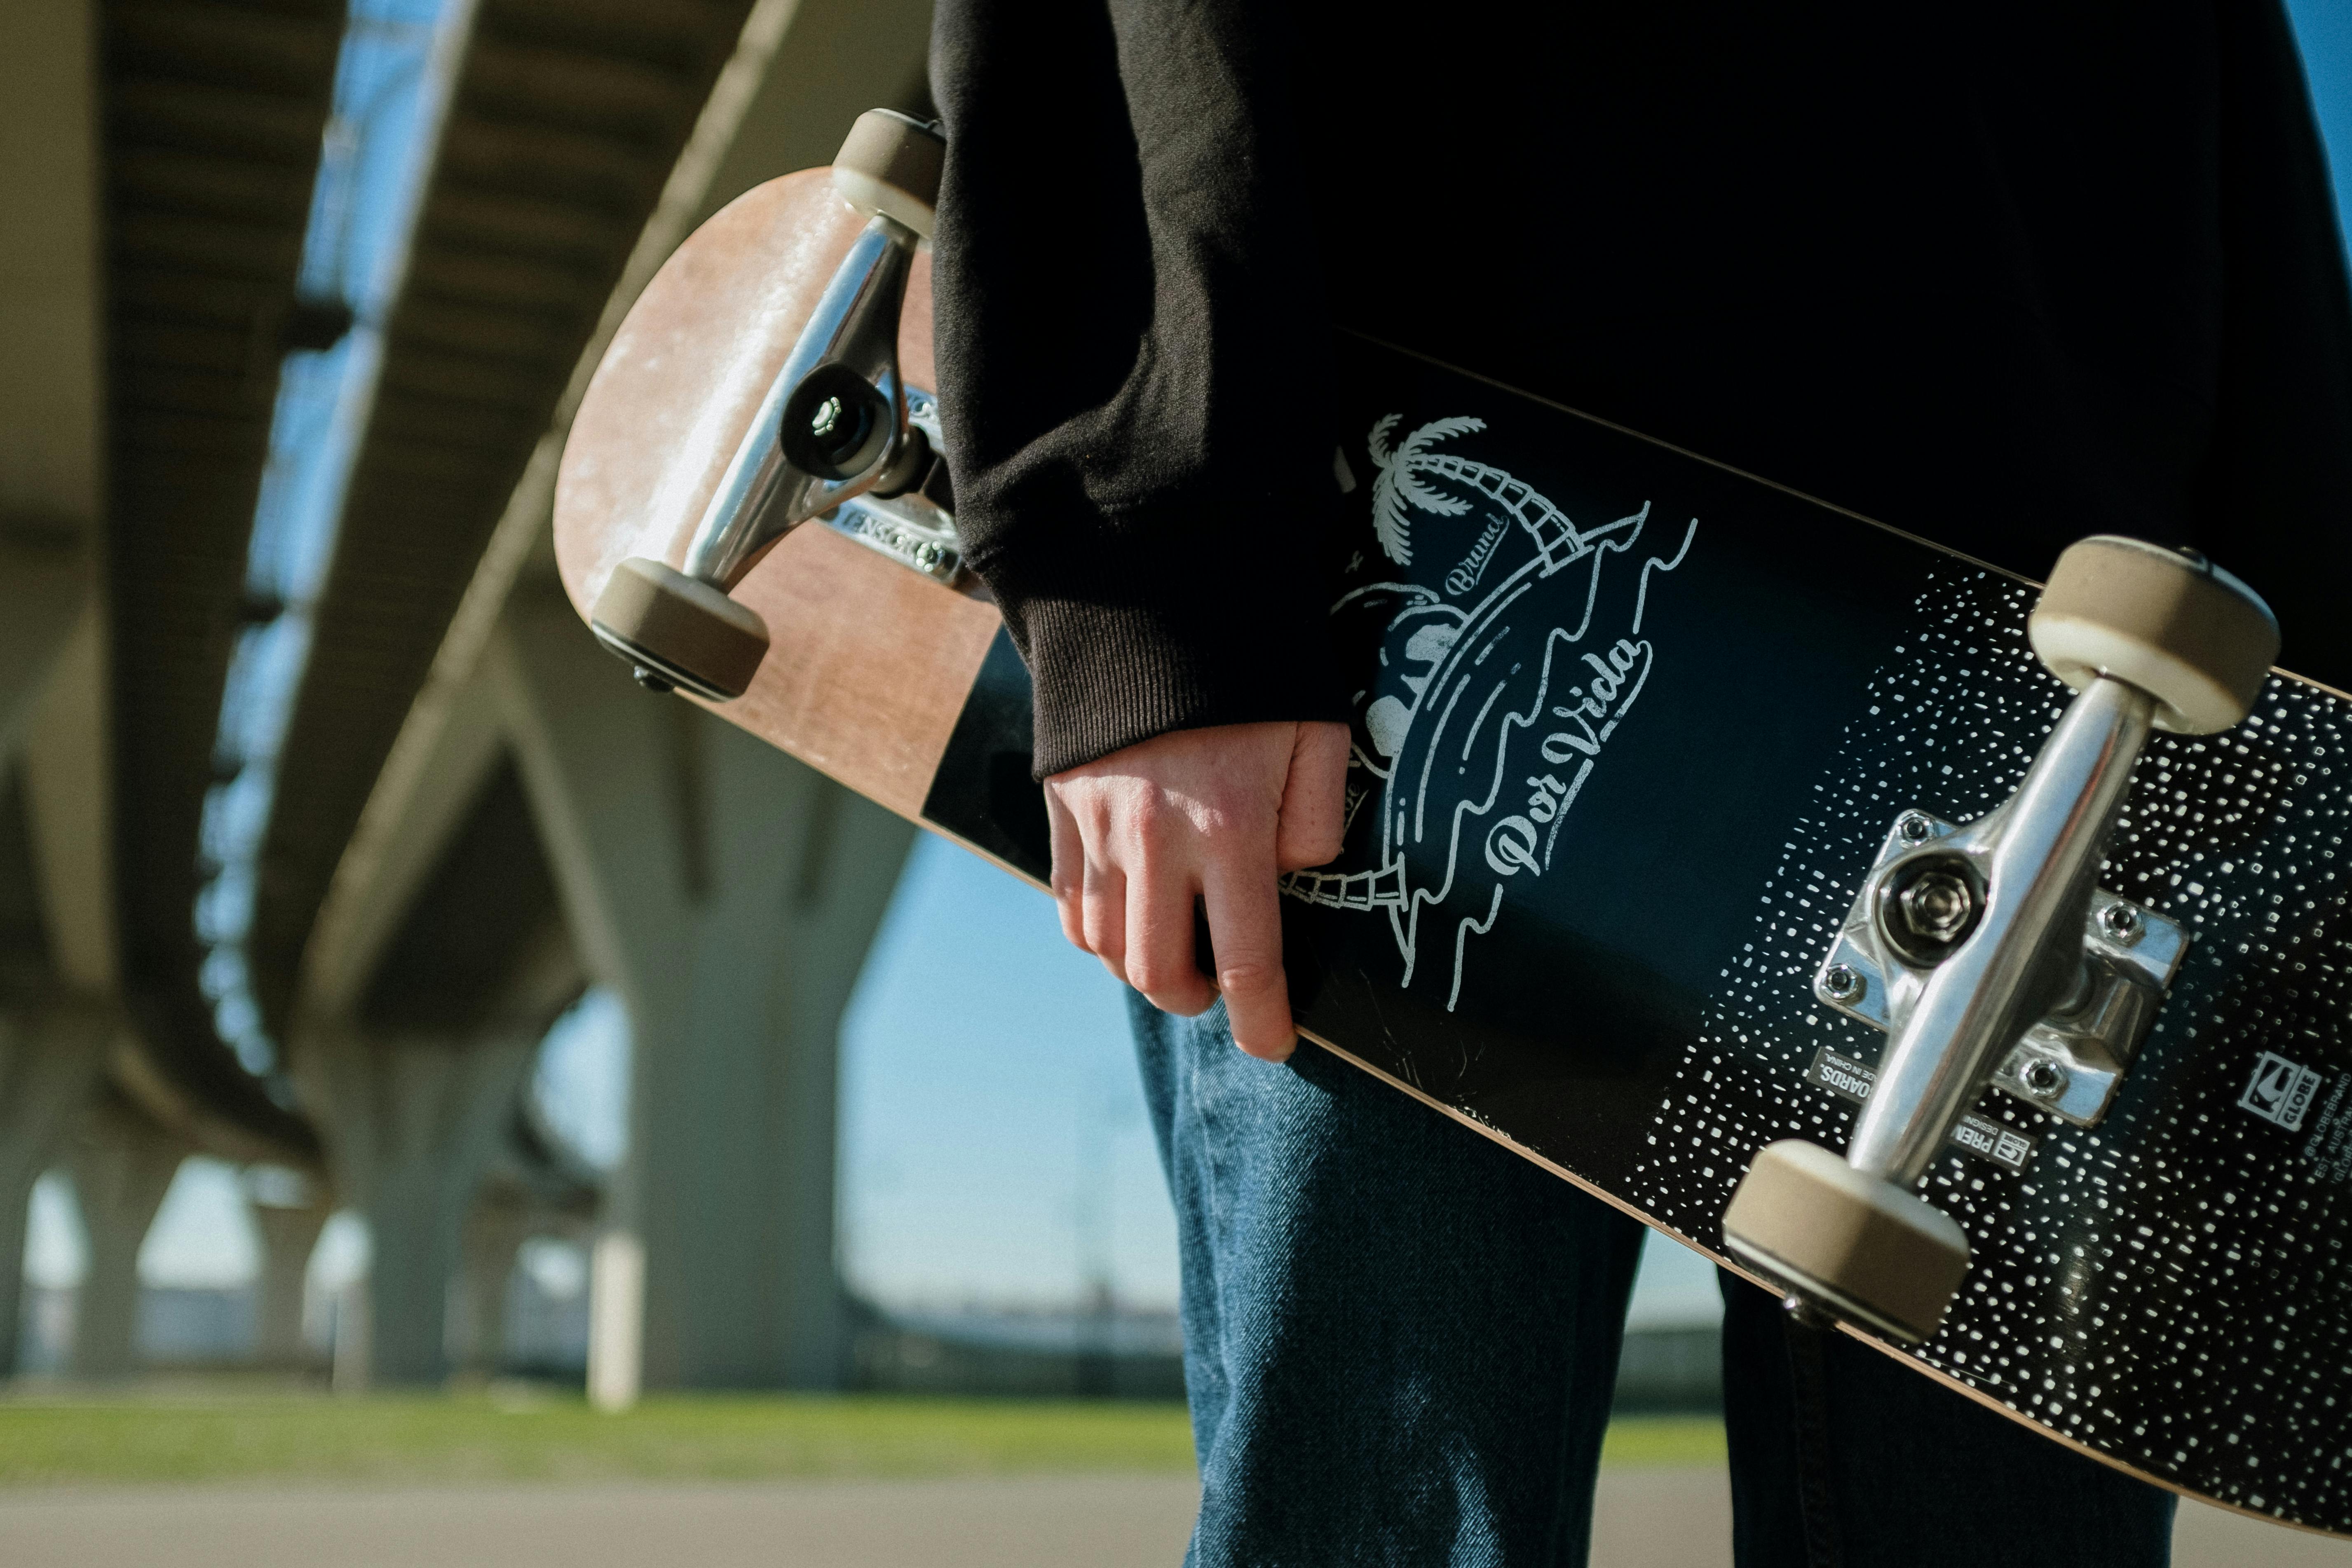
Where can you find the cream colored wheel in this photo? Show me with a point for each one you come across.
(679, 630)
(1872, 1252)
(891, 166)
(2176, 626)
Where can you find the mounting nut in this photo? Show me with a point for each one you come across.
(2120, 923)
(2043, 1078)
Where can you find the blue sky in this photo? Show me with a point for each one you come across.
(991, 1117)
(2324, 29)
(993, 1147)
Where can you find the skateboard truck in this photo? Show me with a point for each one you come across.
(2070, 1061)
(1988, 953)
(837, 426)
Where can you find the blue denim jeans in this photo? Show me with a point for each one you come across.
(1399, 1342)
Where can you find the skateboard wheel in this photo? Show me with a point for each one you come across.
(1875, 1253)
(679, 629)
(890, 165)
(2179, 628)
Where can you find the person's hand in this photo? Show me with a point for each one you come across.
(1216, 815)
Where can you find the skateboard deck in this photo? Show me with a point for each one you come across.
(1631, 728)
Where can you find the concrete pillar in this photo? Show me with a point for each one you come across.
(49, 1062)
(347, 1371)
(121, 1164)
(411, 1121)
(727, 894)
(495, 1231)
(289, 1212)
(617, 1317)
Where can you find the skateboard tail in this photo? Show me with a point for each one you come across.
(834, 425)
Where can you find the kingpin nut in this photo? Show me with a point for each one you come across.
(1939, 906)
(1927, 906)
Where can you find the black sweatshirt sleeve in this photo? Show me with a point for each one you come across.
(1131, 338)
(2277, 483)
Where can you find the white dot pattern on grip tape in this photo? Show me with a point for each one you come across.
(2172, 1285)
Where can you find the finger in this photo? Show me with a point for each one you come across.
(1246, 928)
(1068, 879)
(1102, 912)
(1159, 939)
(1314, 798)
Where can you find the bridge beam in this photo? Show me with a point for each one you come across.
(727, 894)
(69, 790)
(44, 596)
(50, 409)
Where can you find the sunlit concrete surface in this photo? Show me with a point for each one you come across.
(1646, 1519)
(1661, 1518)
(1682, 1519)
(2211, 1538)
(1015, 1523)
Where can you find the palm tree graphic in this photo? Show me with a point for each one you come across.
(1399, 487)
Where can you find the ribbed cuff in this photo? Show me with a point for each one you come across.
(1180, 633)
(1108, 676)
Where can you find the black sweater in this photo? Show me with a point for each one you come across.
(2003, 275)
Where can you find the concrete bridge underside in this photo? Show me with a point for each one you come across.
(478, 816)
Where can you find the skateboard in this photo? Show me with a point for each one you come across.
(1971, 962)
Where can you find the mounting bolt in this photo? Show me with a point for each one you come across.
(2043, 1078)
(1843, 983)
(1939, 906)
(1914, 828)
(2121, 924)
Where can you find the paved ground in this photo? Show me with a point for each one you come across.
(1682, 1519)
(1648, 1518)
(1024, 1524)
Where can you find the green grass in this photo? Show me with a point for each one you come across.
(444, 1439)
(1662, 1442)
(434, 1439)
